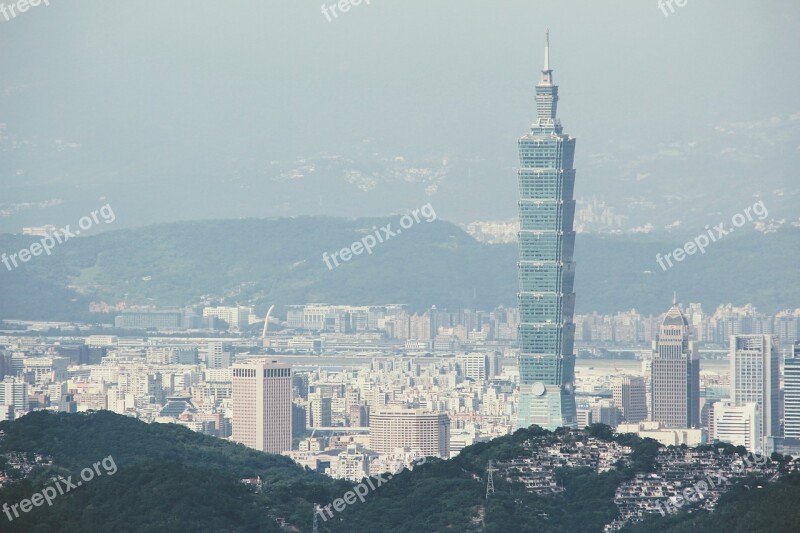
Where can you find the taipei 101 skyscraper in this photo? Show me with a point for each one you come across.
(546, 269)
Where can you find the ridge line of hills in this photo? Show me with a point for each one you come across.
(264, 261)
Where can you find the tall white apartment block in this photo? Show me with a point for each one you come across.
(755, 377)
(262, 405)
(14, 394)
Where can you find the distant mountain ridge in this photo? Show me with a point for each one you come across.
(280, 261)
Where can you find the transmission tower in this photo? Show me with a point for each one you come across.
(490, 480)
(316, 525)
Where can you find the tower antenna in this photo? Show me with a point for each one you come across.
(547, 50)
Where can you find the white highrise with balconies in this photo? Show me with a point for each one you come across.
(740, 425)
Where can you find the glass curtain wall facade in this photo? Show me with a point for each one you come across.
(545, 267)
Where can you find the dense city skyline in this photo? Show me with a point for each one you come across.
(291, 267)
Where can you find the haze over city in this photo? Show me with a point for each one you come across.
(371, 265)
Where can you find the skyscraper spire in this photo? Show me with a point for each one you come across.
(547, 73)
(675, 298)
(546, 92)
(546, 50)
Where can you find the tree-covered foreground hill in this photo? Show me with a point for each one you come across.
(171, 479)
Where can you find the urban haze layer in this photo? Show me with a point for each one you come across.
(355, 391)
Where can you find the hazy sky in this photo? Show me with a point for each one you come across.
(200, 109)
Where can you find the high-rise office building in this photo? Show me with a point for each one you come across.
(320, 411)
(755, 377)
(298, 419)
(426, 433)
(300, 384)
(359, 415)
(630, 398)
(707, 414)
(495, 364)
(546, 269)
(218, 355)
(605, 412)
(791, 393)
(675, 374)
(262, 405)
